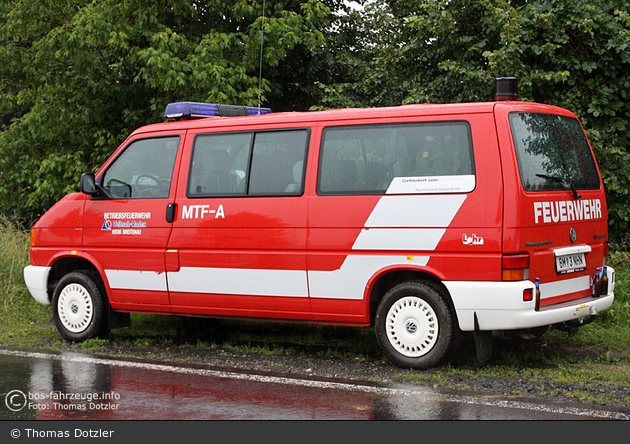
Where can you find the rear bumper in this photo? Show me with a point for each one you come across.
(500, 306)
(36, 279)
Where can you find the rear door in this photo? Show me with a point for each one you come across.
(555, 202)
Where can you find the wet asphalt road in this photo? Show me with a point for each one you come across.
(42, 385)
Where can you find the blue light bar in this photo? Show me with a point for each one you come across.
(181, 110)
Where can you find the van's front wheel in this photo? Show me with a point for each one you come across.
(415, 326)
(78, 307)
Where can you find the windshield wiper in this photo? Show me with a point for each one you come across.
(562, 180)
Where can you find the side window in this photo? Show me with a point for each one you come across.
(144, 170)
(266, 163)
(219, 164)
(278, 163)
(397, 159)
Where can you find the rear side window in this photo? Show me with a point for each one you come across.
(267, 163)
(432, 157)
(553, 153)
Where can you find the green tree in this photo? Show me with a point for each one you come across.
(570, 53)
(362, 45)
(79, 76)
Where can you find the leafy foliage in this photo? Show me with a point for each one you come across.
(84, 74)
(570, 53)
(78, 76)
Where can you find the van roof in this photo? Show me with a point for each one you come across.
(349, 114)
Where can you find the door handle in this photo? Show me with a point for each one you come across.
(170, 213)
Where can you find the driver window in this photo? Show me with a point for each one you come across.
(143, 171)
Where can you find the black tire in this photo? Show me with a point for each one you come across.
(415, 326)
(78, 307)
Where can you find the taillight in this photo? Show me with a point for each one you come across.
(33, 237)
(605, 261)
(515, 267)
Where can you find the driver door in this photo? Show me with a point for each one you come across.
(126, 228)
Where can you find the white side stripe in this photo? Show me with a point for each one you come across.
(415, 211)
(136, 280)
(408, 223)
(349, 281)
(413, 239)
(241, 281)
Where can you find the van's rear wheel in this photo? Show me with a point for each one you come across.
(78, 307)
(415, 326)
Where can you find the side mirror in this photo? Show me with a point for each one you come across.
(88, 184)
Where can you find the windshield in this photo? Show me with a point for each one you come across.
(553, 153)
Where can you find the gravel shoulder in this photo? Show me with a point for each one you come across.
(303, 353)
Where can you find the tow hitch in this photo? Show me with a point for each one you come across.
(571, 327)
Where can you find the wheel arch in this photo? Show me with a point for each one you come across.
(86, 264)
(387, 279)
(67, 264)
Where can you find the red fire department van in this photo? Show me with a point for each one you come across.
(423, 221)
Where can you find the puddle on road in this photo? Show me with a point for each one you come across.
(69, 386)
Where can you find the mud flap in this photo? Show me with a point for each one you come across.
(483, 342)
(118, 320)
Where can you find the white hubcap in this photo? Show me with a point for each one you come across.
(412, 326)
(75, 308)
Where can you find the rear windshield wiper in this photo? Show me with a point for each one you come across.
(562, 180)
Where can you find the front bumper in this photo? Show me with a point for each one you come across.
(36, 279)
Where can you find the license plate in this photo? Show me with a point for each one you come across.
(570, 263)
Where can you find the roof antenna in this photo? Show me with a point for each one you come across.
(262, 28)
